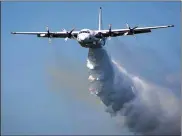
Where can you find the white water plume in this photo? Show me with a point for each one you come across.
(144, 108)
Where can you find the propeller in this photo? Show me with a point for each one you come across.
(48, 34)
(99, 34)
(69, 34)
(110, 32)
(131, 30)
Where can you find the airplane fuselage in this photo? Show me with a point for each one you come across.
(87, 38)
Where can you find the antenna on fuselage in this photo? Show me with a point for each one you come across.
(100, 18)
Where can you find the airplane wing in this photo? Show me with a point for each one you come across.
(128, 31)
(45, 34)
(48, 34)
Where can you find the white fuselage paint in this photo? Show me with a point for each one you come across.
(86, 38)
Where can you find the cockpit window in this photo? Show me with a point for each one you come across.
(84, 32)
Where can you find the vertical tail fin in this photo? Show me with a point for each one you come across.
(100, 18)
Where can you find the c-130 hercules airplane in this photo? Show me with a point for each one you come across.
(93, 38)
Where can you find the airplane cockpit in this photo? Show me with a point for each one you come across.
(84, 31)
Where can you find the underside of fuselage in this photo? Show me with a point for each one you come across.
(93, 44)
(90, 45)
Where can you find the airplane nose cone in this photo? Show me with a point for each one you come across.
(81, 38)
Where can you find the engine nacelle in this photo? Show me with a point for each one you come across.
(41, 35)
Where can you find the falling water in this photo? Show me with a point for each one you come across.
(145, 108)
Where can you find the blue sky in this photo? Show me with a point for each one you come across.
(44, 87)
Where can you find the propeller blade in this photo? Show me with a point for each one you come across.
(74, 37)
(131, 30)
(48, 34)
(47, 28)
(110, 32)
(127, 26)
(49, 40)
(66, 39)
(109, 26)
(72, 30)
(135, 27)
(125, 33)
(69, 34)
(64, 30)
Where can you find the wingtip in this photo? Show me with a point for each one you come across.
(13, 32)
(171, 25)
